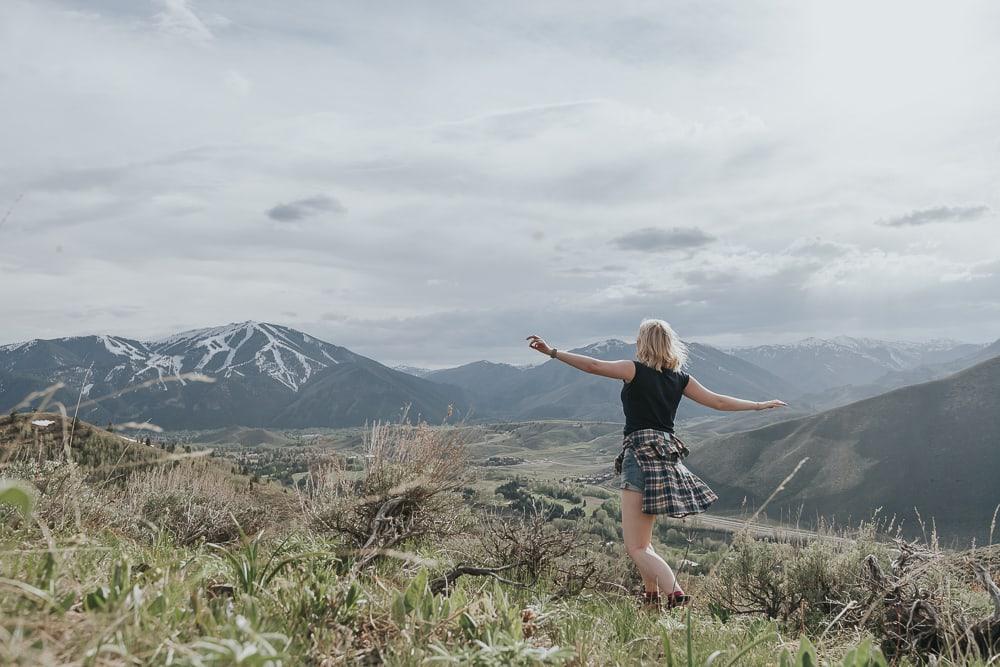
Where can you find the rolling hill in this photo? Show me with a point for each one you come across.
(241, 435)
(933, 446)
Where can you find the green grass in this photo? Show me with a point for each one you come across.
(115, 601)
(100, 598)
(107, 588)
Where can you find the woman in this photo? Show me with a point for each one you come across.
(654, 481)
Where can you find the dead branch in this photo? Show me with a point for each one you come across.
(912, 621)
(444, 583)
(983, 575)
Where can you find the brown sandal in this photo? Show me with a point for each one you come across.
(650, 599)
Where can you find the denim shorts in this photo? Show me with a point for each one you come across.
(632, 476)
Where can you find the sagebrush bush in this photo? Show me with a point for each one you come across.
(410, 488)
(194, 502)
(803, 584)
(66, 502)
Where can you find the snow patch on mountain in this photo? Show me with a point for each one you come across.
(272, 350)
(244, 349)
(412, 370)
(122, 348)
(602, 346)
(12, 347)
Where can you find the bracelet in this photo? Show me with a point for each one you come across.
(553, 353)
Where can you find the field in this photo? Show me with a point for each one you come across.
(399, 545)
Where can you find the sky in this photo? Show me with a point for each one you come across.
(429, 183)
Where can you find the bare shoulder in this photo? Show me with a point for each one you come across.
(623, 369)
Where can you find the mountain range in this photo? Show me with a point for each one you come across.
(815, 365)
(261, 375)
(267, 375)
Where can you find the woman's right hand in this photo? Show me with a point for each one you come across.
(773, 403)
(536, 343)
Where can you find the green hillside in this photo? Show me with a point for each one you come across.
(934, 447)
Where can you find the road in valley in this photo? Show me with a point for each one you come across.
(757, 529)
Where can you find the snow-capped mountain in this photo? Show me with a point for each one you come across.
(287, 356)
(818, 364)
(260, 374)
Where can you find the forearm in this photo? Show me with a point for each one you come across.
(580, 361)
(732, 404)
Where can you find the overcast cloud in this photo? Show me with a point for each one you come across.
(305, 208)
(655, 239)
(430, 184)
(937, 214)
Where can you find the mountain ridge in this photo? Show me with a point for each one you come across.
(817, 365)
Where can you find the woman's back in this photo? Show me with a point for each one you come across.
(650, 400)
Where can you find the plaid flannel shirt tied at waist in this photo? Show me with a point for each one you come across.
(668, 486)
(648, 443)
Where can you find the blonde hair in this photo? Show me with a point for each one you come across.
(659, 347)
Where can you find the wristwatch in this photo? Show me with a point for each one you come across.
(553, 353)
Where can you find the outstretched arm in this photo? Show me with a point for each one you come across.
(699, 394)
(620, 370)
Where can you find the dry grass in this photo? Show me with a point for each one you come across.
(195, 501)
(65, 501)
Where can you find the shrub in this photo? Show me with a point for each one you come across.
(410, 488)
(807, 584)
(559, 491)
(65, 501)
(194, 502)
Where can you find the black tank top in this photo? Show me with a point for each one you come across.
(650, 399)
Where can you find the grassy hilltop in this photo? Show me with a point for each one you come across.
(124, 553)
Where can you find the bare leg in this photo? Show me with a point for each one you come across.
(637, 531)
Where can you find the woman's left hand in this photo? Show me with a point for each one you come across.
(768, 405)
(536, 343)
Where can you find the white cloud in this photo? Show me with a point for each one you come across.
(936, 214)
